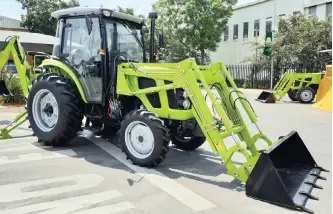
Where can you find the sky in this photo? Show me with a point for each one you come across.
(12, 9)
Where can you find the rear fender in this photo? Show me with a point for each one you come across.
(61, 68)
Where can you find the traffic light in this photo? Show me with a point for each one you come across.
(268, 42)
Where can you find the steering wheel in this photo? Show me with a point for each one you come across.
(78, 55)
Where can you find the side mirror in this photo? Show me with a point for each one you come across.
(89, 24)
(162, 40)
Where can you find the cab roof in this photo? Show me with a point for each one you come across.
(77, 11)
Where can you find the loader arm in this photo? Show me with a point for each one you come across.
(224, 105)
(291, 81)
(225, 115)
(13, 48)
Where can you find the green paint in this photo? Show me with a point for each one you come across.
(61, 68)
(185, 75)
(287, 81)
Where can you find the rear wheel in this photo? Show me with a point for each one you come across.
(292, 95)
(144, 138)
(53, 110)
(306, 95)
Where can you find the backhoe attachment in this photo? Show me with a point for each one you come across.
(19, 120)
(283, 173)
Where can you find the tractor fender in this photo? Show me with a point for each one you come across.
(67, 71)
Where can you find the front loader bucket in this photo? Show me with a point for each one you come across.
(266, 97)
(3, 88)
(285, 174)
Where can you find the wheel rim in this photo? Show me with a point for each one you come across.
(139, 139)
(45, 110)
(306, 95)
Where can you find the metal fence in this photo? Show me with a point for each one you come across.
(251, 76)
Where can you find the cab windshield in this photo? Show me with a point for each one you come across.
(123, 39)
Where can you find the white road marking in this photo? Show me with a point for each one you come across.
(38, 156)
(219, 178)
(173, 188)
(23, 147)
(10, 143)
(15, 191)
(122, 206)
(75, 205)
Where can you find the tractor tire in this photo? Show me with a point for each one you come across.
(292, 95)
(54, 110)
(144, 138)
(188, 145)
(306, 95)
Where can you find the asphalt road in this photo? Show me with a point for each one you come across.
(91, 175)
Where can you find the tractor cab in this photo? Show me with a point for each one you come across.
(94, 41)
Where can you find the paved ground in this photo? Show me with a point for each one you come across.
(93, 176)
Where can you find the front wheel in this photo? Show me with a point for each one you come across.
(306, 95)
(144, 138)
(53, 110)
(292, 95)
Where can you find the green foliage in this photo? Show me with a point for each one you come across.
(245, 84)
(193, 27)
(39, 13)
(14, 86)
(297, 41)
(129, 11)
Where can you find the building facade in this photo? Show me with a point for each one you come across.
(30, 41)
(7, 23)
(251, 21)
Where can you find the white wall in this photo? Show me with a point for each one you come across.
(235, 51)
(321, 7)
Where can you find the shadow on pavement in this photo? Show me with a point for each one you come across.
(200, 165)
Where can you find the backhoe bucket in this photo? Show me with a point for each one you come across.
(285, 174)
(266, 97)
(3, 88)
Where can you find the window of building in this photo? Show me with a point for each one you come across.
(269, 24)
(328, 9)
(245, 30)
(226, 33)
(235, 32)
(313, 11)
(256, 28)
(296, 13)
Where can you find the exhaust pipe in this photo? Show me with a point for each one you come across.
(285, 174)
(266, 97)
(3, 88)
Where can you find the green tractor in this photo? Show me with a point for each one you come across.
(100, 70)
(301, 87)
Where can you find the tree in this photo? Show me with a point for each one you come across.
(297, 42)
(194, 27)
(39, 13)
(299, 38)
(129, 11)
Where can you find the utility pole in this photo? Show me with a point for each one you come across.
(273, 36)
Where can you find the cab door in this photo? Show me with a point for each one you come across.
(83, 53)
